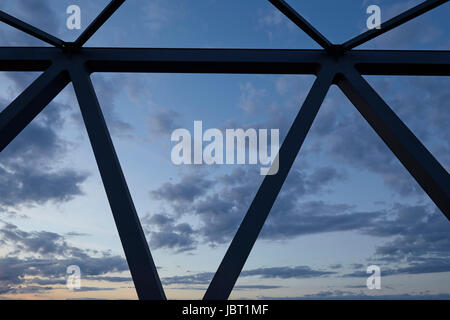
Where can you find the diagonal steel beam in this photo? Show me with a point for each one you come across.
(427, 171)
(139, 258)
(393, 23)
(97, 23)
(29, 29)
(15, 117)
(231, 266)
(302, 23)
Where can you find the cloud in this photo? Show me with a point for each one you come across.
(29, 166)
(157, 15)
(417, 241)
(38, 259)
(420, 265)
(350, 140)
(297, 272)
(414, 238)
(286, 272)
(251, 99)
(198, 278)
(272, 18)
(42, 242)
(349, 295)
(418, 230)
(256, 287)
(164, 232)
(163, 122)
(27, 185)
(221, 211)
(238, 287)
(181, 194)
(108, 278)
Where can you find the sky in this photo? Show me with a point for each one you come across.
(347, 202)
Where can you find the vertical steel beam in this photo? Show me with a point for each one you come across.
(140, 261)
(30, 103)
(427, 171)
(226, 276)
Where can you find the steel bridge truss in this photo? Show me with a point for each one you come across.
(66, 62)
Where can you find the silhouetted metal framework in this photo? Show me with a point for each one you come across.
(335, 64)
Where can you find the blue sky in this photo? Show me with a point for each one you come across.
(346, 204)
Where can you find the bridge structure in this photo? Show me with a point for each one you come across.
(339, 64)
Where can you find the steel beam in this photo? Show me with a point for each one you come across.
(263, 61)
(427, 171)
(139, 258)
(328, 63)
(204, 60)
(302, 23)
(372, 62)
(15, 117)
(228, 272)
(400, 62)
(29, 29)
(97, 23)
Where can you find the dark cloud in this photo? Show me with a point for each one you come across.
(198, 278)
(183, 193)
(349, 295)
(419, 230)
(418, 241)
(342, 136)
(30, 170)
(163, 122)
(41, 258)
(221, 211)
(87, 289)
(297, 272)
(13, 270)
(109, 279)
(420, 103)
(416, 235)
(420, 265)
(164, 232)
(41, 242)
(255, 287)
(29, 186)
(238, 287)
